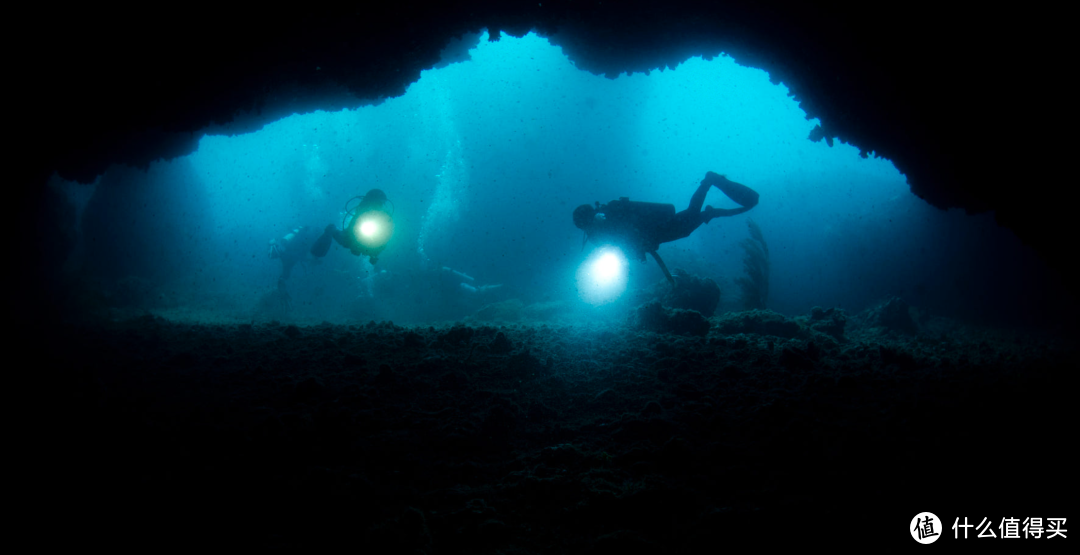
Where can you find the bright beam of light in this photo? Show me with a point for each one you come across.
(602, 277)
(607, 267)
(373, 229)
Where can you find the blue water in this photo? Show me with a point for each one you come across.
(485, 160)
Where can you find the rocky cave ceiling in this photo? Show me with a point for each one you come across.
(961, 102)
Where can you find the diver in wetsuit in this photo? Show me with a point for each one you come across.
(292, 248)
(640, 227)
(368, 229)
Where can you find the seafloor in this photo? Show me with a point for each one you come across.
(656, 433)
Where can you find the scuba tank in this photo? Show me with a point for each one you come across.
(634, 224)
(642, 215)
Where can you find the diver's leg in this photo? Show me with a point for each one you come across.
(709, 213)
(339, 236)
(698, 198)
(743, 195)
(683, 224)
(746, 197)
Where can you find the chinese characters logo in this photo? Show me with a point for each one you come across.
(925, 528)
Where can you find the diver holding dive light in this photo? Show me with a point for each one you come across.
(367, 230)
(640, 227)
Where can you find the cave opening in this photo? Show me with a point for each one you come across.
(485, 158)
(197, 388)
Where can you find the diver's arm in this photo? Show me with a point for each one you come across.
(321, 245)
(339, 236)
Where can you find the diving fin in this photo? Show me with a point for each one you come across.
(322, 244)
(741, 194)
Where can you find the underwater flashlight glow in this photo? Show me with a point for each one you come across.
(602, 278)
(607, 267)
(369, 229)
(373, 229)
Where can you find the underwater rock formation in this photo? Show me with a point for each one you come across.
(328, 433)
(503, 311)
(761, 322)
(821, 324)
(514, 310)
(456, 336)
(755, 286)
(131, 226)
(893, 315)
(500, 345)
(654, 317)
(274, 304)
(691, 293)
(829, 321)
(545, 311)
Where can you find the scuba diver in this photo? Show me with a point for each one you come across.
(465, 282)
(368, 229)
(292, 248)
(640, 227)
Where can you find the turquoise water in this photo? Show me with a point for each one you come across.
(484, 161)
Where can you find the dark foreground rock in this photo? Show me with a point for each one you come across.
(531, 439)
(654, 317)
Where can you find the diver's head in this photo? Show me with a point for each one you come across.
(375, 195)
(584, 216)
(374, 199)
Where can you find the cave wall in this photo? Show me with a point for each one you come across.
(959, 101)
(145, 224)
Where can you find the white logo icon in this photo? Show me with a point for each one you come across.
(925, 528)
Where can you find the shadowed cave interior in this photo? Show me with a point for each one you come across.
(877, 338)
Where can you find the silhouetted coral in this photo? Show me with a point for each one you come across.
(755, 287)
